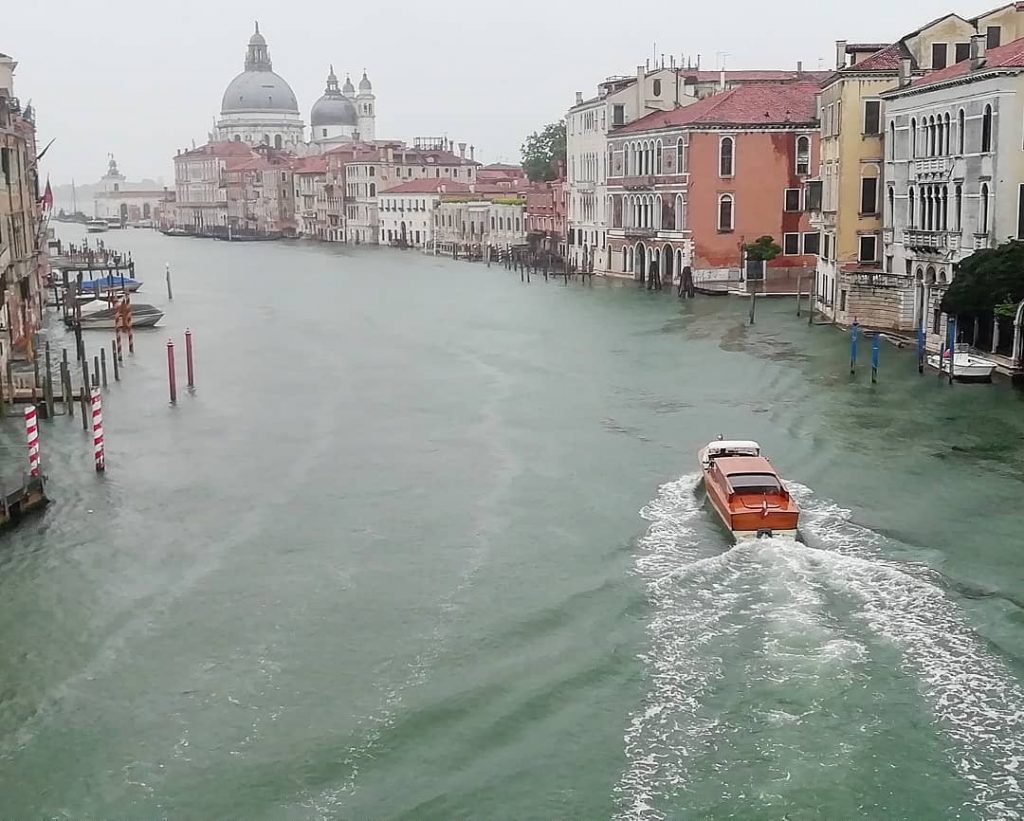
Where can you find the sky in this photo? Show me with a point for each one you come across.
(141, 79)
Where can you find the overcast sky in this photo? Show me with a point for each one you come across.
(142, 79)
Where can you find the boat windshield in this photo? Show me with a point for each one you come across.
(755, 483)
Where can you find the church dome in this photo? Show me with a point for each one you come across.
(333, 108)
(364, 84)
(258, 88)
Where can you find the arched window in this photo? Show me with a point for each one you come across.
(657, 151)
(946, 129)
(278, 142)
(238, 138)
(913, 138)
(803, 155)
(657, 88)
(680, 157)
(725, 212)
(373, 189)
(986, 129)
(944, 213)
(266, 139)
(726, 157)
(373, 171)
(958, 196)
(892, 139)
(983, 217)
(892, 203)
(911, 223)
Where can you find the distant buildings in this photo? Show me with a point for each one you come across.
(129, 202)
(23, 258)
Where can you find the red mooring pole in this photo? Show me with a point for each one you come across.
(188, 359)
(171, 382)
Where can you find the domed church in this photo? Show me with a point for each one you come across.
(259, 107)
(341, 115)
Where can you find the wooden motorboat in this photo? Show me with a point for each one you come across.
(99, 315)
(967, 367)
(747, 494)
(96, 226)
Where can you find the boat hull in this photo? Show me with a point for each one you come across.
(971, 370)
(744, 523)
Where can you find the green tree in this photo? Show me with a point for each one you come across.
(763, 249)
(988, 281)
(544, 152)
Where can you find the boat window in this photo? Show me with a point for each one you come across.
(755, 483)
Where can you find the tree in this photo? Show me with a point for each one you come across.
(988, 281)
(763, 249)
(544, 152)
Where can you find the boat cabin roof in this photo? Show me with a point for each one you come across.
(733, 465)
(744, 447)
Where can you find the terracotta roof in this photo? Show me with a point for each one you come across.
(431, 185)
(885, 59)
(1009, 56)
(852, 48)
(227, 148)
(314, 164)
(753, 105)
(754, 76)
(502, 166)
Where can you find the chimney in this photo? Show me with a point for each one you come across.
(641, 95)
(978, 44)
(472, 153)
(905, 65)
(579, 97)
(721, 80)
(840, 54)
(799, 66)
(462, 150)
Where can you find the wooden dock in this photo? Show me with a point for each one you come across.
(19, 497)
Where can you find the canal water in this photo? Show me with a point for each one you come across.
(426, 542)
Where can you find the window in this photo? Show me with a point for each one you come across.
(657, 88)
(868, 248)
(892, 139)
(983, 207)
(792, 201)
(725, 212)
(680, 156)
(892, 204)
(872, 117)
(888, 264)
(938, 56)
(995, 36)
(963, 52)
(960, 131)
(812, 243)
(946, 126)
(813, 200)
(825, 246)
(618, 114)
(869, 195)
(791, 244)
(803, 155)
(959, 205)
(1020, 212)
(726, 156)
(839, 117)
(986, 129)
(842, 300)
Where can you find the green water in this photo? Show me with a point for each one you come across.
(426, 543)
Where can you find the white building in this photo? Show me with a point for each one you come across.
(620, 100)
(258, 105)
(407, 211)
(341, 115)
(129, 202)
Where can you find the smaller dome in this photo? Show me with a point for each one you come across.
(364, 84)
(348, 88)
(257, 38)
(333, 110)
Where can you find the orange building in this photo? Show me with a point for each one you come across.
(693, 185)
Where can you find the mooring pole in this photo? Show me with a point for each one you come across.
(113, 358)
(32, 435)
(190, 371)
(103, 368)
(96, 401)
(876, 344)
(48, 386)
(952, 347)
(753, 305)
(171, 381)
(799, 293)
(854, 336)
(920, 349)
(170, 294)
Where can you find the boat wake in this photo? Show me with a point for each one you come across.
(779, 599)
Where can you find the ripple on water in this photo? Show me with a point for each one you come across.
(704, 598)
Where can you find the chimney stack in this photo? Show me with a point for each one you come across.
(978, 45)
(905, 66)
(462, 150)
(840, 54)
(579, 97)
(472, 153)
(641, 92)
(721, 79)
(799, 66)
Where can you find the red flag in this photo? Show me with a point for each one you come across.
(48, 196)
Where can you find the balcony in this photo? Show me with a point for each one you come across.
(931, 240)
(982, 241)
(933, 167)
(633, 232)
(638, 183)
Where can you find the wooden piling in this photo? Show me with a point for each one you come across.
(48, 385)
(103, 368)
(172, 382)
(113, 358)
(799, 293)
(189, 369)
(170, 294)
(753, 305)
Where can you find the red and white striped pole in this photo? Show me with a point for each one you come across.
(172, 382)
(97, 430)
(32, 432)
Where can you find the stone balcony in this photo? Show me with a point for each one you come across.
(638, 183)
(931, 240)
(933, 168)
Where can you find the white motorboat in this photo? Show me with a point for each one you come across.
(96, 226)
(967, 367)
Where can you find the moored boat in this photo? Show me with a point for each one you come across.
(96, 226)
(967, 367)
(746, 492)
(101, 316)
(110, 283)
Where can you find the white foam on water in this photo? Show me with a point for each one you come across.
(975, 698)
(778, 591)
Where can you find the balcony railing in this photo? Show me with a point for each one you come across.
(646, 181)
(933, 167)
(931, 240)
(633, 231)
(982, 241)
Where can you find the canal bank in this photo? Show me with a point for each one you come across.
(425, 525)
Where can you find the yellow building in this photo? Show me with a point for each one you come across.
(855, 276)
